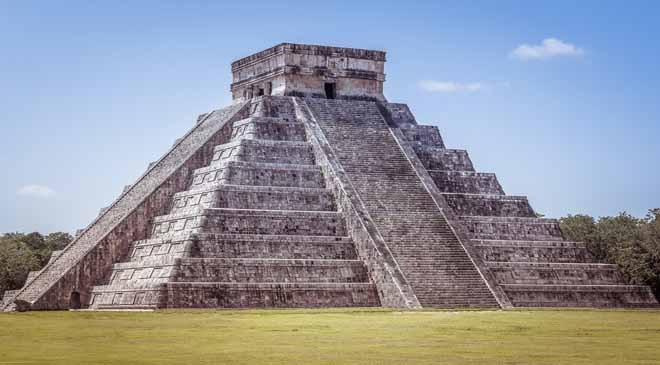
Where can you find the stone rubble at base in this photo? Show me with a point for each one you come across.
(312, 190)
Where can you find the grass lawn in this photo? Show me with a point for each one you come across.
(332, 336)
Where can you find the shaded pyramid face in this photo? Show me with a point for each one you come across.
(525, 256)
(298, 199)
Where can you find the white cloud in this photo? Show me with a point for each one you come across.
(450, 86)
(38, 191)
(549, 47)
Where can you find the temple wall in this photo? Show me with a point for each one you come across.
(303, 70)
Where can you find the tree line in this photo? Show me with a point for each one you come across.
(629, 242)
(21, 253)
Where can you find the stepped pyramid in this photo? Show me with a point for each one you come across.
(312, 190)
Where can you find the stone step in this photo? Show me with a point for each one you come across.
(467, 182)
(489, 205)
(147, 262)
(138, 282)
(561, 244)
(434, 158)
(277, 107)
(273, 246)
(532, 251)
(270, 271)
(109, 297)
(542, 273)
(268, 128)
(630, 296)
(32, 274)
(54, 255)
(238, 295)
(175, 244)
(254, 197)
(512, 228)
(259, 150)
(261, 174)
(125, 307)
(450, 302)
(271, 295)
(307, 223)
(423, 135)
(146, 273)
(252, 221)
(174, 225)
(8, 296)
(149, 272)
(247, 246)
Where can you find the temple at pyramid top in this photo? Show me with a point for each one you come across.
(309, 70)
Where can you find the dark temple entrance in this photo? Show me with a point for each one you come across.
(330, 90)
(74, 301)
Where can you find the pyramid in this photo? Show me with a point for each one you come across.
(312, 190)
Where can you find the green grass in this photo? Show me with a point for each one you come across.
(332, 336)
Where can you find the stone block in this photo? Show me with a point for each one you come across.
(435, 158)
(466, 182)
(489, 205)
(274, 246)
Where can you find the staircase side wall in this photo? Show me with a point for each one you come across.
(393, 289)
(88, 260)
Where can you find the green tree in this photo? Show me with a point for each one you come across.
(619, 235)
(21, 253)
(640, 260)
(42, 246)
(631, 243)
(16, 260)
(582, 228)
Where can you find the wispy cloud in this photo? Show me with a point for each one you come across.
(549, 47)
(450, 86)
(434, 86)
(37, 191)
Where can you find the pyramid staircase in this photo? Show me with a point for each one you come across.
(524, 253)
(440, 272)
(256, 228)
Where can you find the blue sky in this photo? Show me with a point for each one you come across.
(91, 92)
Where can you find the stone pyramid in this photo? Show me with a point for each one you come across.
(311, 190)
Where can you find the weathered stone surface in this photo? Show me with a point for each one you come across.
(266, 295)
(467, 182)
(532, 251)
(262, 174)
(631, 296)
(274, 246)
(310, 70)
(512, 228)
(489, 205)
(522, 257)
(255, 197)
(437, 158)
(244, 236)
